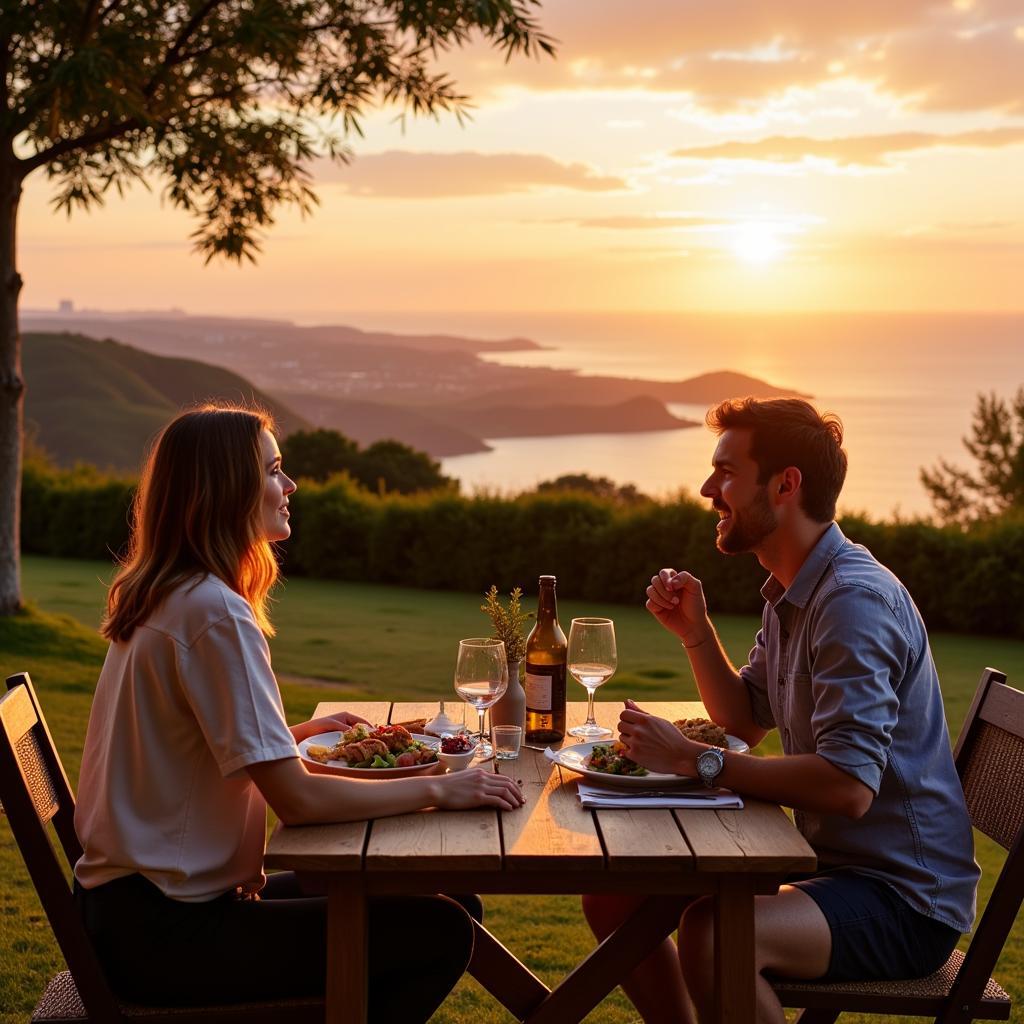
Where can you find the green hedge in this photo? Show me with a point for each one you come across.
(600, 550)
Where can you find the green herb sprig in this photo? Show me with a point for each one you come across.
(508, 621)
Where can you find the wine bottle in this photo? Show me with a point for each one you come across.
(545, 671)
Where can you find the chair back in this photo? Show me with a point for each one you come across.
(35, 792)
(989, 757)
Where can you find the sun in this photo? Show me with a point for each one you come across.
(757, 243)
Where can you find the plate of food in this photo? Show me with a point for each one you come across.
(384, 751)
(605, 761)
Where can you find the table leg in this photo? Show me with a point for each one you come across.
(654, 920)
(347, 934)
(510, 981)
(735, 968)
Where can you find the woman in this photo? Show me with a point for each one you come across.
(187, 744)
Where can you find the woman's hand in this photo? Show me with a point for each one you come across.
(656, 743)
(676, 600)
(341, 722)
(476, 787)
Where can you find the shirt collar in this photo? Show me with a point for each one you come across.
(800, 590)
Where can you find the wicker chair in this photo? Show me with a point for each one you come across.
(34, 792)
(990, 762)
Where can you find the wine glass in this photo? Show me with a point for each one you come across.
(591, 662)
(481, 677)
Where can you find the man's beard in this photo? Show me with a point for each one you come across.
(748, 526)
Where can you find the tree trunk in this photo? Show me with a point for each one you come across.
(12, 389)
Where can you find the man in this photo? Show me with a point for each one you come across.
(842, 668)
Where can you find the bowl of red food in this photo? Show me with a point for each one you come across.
(456, 751)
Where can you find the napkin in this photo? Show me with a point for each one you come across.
(591, 795)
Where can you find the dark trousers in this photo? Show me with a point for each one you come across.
(159, 951)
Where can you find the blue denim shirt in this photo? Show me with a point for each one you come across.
(842, 667)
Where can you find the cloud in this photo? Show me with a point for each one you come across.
(649, 222)
(410, 175)
(730, 54)
(862, 150)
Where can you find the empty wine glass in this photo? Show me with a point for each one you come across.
(481, 677)
(592, 660)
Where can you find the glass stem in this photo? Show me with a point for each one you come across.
(480, 712)
(590, 707)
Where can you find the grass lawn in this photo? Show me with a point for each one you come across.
(359, 641)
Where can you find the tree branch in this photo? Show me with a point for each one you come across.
(170, 58)
(28, 164)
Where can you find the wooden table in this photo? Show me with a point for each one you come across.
(551, 845)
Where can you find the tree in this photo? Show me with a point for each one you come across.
(226, 101)
(393, 466)
(599, 486)
(997, 446)
(317, 454)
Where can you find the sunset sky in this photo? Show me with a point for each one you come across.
(734, 155)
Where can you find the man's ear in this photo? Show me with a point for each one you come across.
(788, 486)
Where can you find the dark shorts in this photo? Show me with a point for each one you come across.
(876, 934)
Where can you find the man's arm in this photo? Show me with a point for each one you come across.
(676, 600)
(807, 782)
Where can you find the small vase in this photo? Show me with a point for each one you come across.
(511, 709)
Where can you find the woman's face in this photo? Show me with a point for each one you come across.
(276, 488)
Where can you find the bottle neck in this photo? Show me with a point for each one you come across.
(547, 608)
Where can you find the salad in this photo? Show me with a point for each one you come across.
(386, 746)
(611, 759)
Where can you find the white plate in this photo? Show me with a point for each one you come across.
(574, 758)
(329, 739)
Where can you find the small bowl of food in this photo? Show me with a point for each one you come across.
(456, 751)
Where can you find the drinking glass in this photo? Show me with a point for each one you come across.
(591, 661)
(481, 677)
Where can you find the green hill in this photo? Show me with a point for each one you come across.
(101, 401)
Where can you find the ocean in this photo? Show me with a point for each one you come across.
(905, 386)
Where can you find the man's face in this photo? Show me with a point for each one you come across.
(747, 516)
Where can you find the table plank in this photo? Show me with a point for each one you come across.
(551, 831)
(318, 847)
(643, 840)
(407, 710)
(768, 839)
(435, 841)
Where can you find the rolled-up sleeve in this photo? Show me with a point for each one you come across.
(860, 654)
(755, 677)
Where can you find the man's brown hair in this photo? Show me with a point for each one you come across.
(791, 432)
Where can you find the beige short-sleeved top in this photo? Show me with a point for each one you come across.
(180, 709)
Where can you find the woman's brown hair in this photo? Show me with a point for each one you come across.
(197, 511)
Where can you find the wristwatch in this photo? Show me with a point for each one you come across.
(710, 763)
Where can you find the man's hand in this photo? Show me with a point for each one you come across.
(656, 743)
(676, 600)
(341, 722)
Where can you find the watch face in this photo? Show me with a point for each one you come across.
(710, 764)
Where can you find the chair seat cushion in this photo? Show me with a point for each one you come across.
(934, 986)
(61, 1002)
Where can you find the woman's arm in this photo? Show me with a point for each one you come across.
(340, 722)
(299, 797)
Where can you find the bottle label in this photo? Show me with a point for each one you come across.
(538, 686)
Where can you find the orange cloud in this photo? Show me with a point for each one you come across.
(402, 174)
(731, 53)
(649, 222)
(862, 150)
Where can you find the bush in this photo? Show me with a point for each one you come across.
(601, 549)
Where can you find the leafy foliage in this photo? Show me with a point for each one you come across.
(228, 101)
(599, 486)
(382, 466)
(997, 486)
(509, 621)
